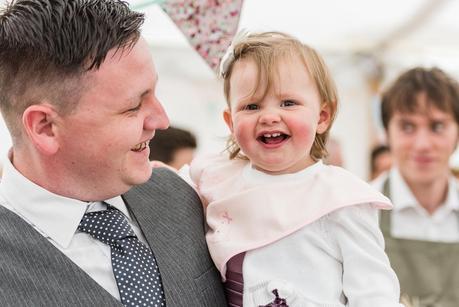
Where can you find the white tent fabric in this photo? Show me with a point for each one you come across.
(409, 31)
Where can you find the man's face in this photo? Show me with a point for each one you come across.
(422, 142)
(103, 143)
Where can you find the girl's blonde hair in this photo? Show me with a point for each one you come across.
(266, 50)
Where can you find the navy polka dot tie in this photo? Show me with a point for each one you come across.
(134, 265)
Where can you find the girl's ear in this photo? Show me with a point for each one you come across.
(228, 119)
(40, 126)
(325, 117)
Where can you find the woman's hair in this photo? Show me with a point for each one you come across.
(267, 50)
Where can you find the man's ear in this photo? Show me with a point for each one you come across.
(228, 119)
(39, 121)
(325, 117)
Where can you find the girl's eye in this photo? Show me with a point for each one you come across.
(288, 103)
(251, 107)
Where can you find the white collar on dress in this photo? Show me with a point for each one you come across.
(254, 176)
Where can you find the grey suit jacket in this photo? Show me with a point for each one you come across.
(34, 273)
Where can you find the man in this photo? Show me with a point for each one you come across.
(173, 146)
(380, 160)
(81, 221)
(420, 113)
(335, 153)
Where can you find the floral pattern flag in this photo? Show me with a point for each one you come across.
(209, 25)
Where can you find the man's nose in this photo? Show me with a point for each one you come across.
(157, 117)
(423, 139)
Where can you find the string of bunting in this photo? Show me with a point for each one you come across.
(209, 25)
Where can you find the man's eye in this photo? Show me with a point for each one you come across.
(438, 127)
(137, 108)
(407, 127)
(251, 107)
(288, 103)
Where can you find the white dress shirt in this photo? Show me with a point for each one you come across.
(57, 219)
(411, 221)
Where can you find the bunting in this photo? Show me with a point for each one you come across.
(209, 25)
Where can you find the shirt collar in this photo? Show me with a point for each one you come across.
(54, 216)
(452, 199)
(119, 204)
(403, 198)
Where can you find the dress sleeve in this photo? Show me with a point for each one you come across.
(194, 173)
(195, 170)
(368, 279)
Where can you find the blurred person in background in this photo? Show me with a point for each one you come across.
(380, 160)
(420, 113)
(173, 146)
(334, 153)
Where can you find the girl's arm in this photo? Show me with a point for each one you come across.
(368, 279)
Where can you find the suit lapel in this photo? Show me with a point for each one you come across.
(159, 237)
(166, 209)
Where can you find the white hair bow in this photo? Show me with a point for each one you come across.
(228, 58)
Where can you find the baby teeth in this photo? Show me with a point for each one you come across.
(273, 135)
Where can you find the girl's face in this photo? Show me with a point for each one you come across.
(276, 131)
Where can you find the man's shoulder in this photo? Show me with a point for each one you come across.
(7, 216)
(164, 190)
(165, 176)
(163, 179)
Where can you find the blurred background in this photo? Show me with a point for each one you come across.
(365, 43)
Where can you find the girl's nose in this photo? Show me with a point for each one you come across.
(269, 117)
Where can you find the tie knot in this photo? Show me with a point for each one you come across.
(107, 226)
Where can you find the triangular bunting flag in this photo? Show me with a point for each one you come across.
(209, 25)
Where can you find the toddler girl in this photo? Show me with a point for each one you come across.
(283, 228)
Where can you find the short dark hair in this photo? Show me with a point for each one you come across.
(375, 153)
(166, 142)
(442, 91)
(46, 46)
